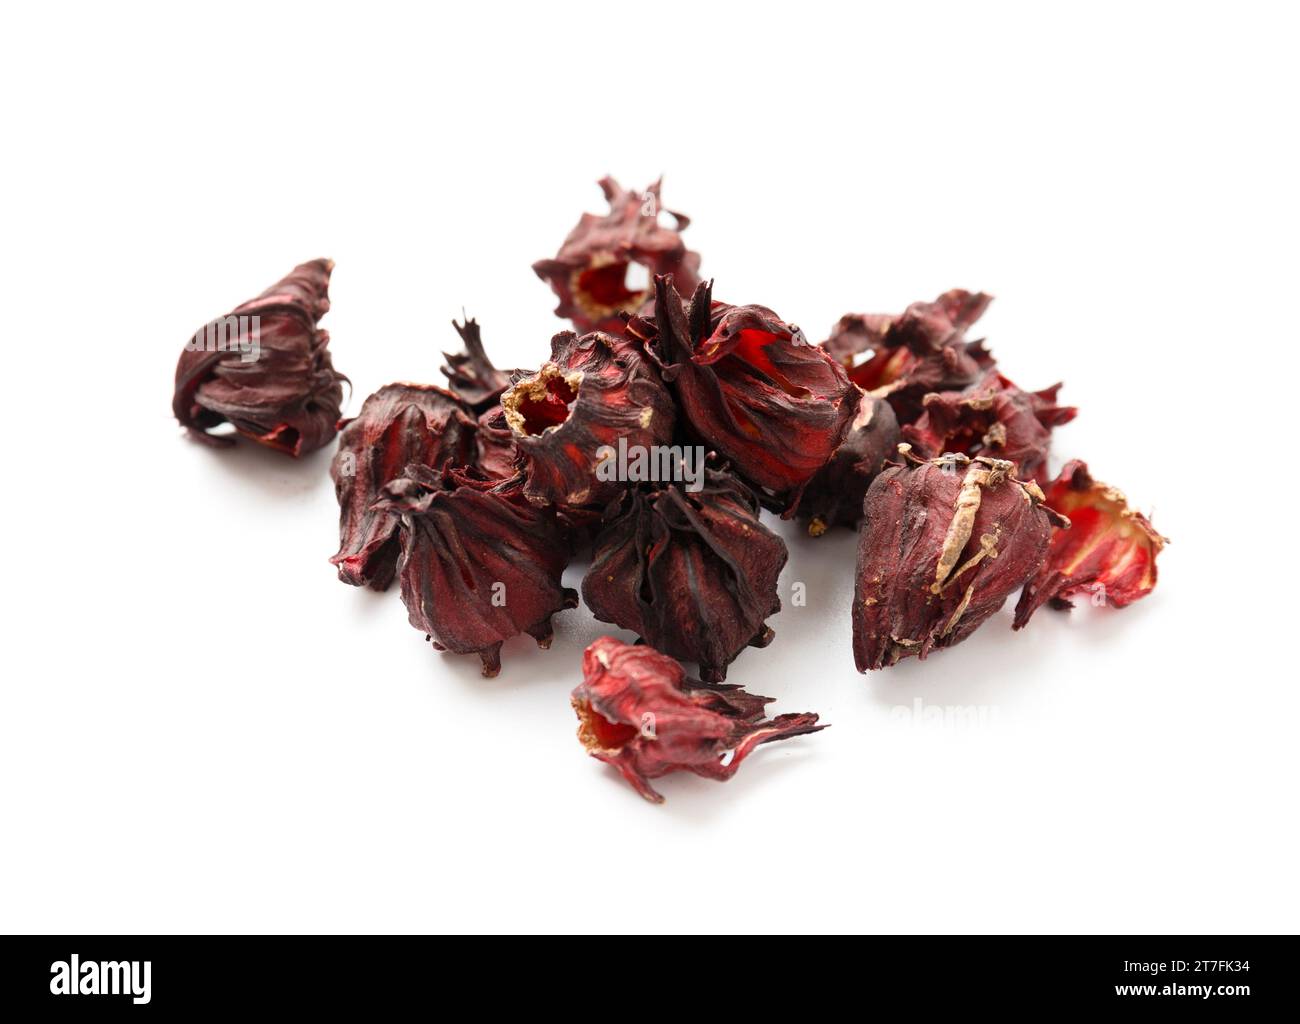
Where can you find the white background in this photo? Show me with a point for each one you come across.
(202, 730)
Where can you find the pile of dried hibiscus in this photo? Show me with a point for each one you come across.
(652, 438)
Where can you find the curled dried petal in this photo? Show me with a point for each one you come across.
(398, 425)
(479, 563)
(480, 385)
(693, 573)
(265, 368)
(590, 274)
(639, 712)
(471, 375)
(943, 544)
(1109, 551)
(992, 417)
(497, 455)
(911, 354)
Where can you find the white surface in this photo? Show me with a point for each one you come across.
(200, 729)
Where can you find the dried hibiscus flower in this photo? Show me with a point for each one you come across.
(943, 544)
(749, 385)
(479, 563)
(991, 417)
(693, 572)
(595, 392)
(834, 496)
(921, 350)
(1109, 551)
(398, 425)
(590, 272)
(265, 369)
(640, 713)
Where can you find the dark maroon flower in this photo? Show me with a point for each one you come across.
(479, 563)
(590, 272)
(471, 375)
(639, 712)
(265, 369)
(920, 350)
(693, 573)
(834, 496)
(595, 391)
(749, 385)
(398, 425)
(1109, 551)
(943, 544)
(991, 417)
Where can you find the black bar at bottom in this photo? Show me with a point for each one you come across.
(593, 976)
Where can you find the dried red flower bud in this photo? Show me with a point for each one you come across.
(747, 383)
(398, 425)
(590, 272)
(834, 496)
(1109, 551)
(943, 544)
(920, 350)
(479, 563)
(694, 574)
(471, 375)
(639, 712)
(265, 369)
(594, 391)
(992, 417)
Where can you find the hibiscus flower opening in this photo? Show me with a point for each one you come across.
(597, 732)
(535, 406)
(603, 288)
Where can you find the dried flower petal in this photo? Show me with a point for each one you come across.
(943, 544)
(497, 455)
(923, 349)
(639, 712)
(471, 375)
(479, 563)
(834, 496)
(398, 425)
(748, 384)
(480, 385)
(590, 272)
(1109, 551)
(594, 391)
(992, 417)
(694, 574)
(265, 369)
